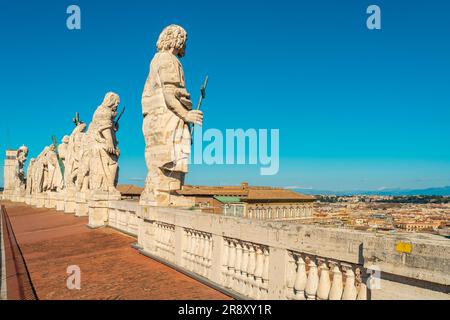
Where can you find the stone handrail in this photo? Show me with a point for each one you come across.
(280, 260)
(260, 259)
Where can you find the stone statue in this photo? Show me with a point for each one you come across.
(62, 149)
(73, 155)
(30, 175)
(40, 172)
(167, 111)
(99, 160)
(54, 174)
(20, 179)
(62, 152)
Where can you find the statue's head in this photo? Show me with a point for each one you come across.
(65, 139)
(173, 38)
(23, 150)
(111, 101)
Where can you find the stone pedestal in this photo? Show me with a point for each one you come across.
(28, 199)
(40, 200)
(50, 200)
(81, 207)
(60, 201)
(33, 199)
(20, 195)
(70, 201)
(7, 195)
(98, 207)
(14, 197)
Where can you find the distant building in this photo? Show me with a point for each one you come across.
(10, 167)
(251, 202)
(129, 191)
(417, 226)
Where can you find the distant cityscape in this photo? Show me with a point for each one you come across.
(435, 191)
(425, 214)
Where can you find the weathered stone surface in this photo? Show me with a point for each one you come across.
(70, 201)
(81, 207)
(73, 156)
(98, 207)
(423, 274)
(98, 165)
(167, 111)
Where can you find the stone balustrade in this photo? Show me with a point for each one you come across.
(165, 240)
(260, 259)
(197, 250)
(254, 259)
(316, 278)
(122, 216)
(279, 212)
(245, 268)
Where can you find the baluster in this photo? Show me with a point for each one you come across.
(166, 242)
(259, 271)
(158, 240)
(251, 272)
(266, 273)
(323, 290)
(155, 235)
(195, 251)
(198, 253)
(201, 252)
(237, 267)
(290, 276)
(172, 244)
(361, 286)
(300, 279)
(191, 250)
(231, 259)
(170, 241)
(362, 292)
(183, 248)
(187, 245)
(205, 254)
(349, 289)
(244, 266)
(226, 251)
(209, 256)
(336, 286)
(312, 281)
(161, 240)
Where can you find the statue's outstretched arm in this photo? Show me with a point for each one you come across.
(173, 103)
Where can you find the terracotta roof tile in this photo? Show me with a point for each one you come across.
(246, 192)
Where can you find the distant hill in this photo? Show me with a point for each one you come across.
(439, 191)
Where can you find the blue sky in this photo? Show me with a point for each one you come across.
(356, 109)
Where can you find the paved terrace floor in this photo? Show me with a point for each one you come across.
(110, 269)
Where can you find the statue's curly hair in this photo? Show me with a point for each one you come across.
(111, 98)
(172, 36)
